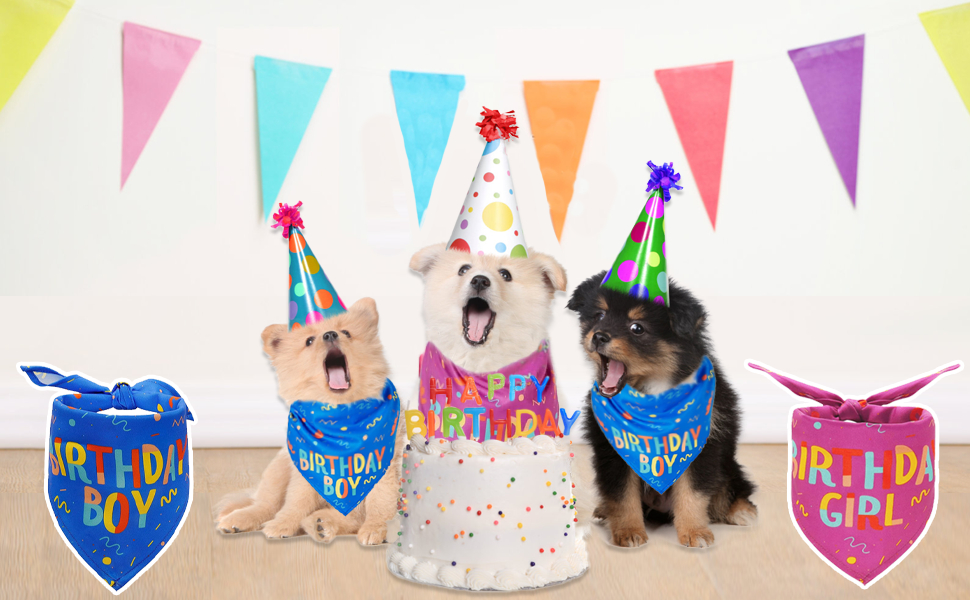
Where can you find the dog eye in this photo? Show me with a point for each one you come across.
(346, 333)
(600, 315)
(637, 329)
(505, 274)
(309, 341)
(463, 270)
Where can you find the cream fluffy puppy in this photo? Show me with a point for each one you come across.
(482, 311)
(338, 360)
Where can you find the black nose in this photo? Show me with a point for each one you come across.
(600, 338)
(480, 282)
(330, 336)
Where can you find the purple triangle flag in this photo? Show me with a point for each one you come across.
(831, 74)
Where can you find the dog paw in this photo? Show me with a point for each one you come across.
(320, 529)
(743, 513)
(598, 514)
(629, 538)
(239, 521)
(281, 528)
(231, 505)
(372, 535)
(698, 537)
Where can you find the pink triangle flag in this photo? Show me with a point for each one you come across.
(831, 74)
(698, 99)
(153, 64)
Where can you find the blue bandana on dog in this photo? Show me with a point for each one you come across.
(659, 436)
(118, 486)
(343, 450)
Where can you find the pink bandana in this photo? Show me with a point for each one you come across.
(517, 400)
(863, 477)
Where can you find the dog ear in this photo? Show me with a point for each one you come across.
(367, 308)
(584, 293)
(554, 273)
(687, 315)
(425, 258)
(272, 337)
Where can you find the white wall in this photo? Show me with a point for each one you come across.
(177, 275)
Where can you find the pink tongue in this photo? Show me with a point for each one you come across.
(477, 322)
(614, 371)
(338, 378)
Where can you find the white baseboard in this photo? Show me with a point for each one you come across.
(250, 416)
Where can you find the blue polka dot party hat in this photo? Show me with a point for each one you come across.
(641, 268)
(312, 296)
(489, 221)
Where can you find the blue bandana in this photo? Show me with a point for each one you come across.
(118, 486)
(343, 450)
(659, 436)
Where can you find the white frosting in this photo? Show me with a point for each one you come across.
(466, 478)
(425, 572)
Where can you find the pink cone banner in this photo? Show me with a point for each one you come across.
(698, 98)
(831, 74)
(153, 64)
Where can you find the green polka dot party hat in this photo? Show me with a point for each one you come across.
(312, 296)
(489, 221)
(641, 268)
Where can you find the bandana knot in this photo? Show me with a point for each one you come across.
(122, 398)
(851, 410)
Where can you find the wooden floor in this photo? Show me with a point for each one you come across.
(762, 562)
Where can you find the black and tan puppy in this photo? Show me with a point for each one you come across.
(653, 348)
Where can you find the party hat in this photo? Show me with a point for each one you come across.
(489, 221)
(312, 296)
(641, 268)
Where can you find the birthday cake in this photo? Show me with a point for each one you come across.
(486, 496)
(498, 515)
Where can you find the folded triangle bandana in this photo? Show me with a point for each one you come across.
(659, 436)
(343, 450)
(119, 483)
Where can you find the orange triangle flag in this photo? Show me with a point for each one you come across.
(697, 98)
(559, 114)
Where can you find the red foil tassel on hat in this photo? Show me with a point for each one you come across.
(495, 125)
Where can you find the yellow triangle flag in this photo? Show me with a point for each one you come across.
(25, 28)
(949, 30)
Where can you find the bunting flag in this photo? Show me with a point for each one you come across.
(559, 113)
(286, 96)
(831, 74)
(697, 98)
(426, 105)
(25, 28)
(949, 30)
(153, 63)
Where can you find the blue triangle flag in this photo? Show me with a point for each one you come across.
(286, 96)
(426, 104)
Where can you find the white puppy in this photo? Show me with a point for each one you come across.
(484, 312)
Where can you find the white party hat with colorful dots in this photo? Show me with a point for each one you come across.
(489, 221)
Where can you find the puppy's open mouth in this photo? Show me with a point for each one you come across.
(614, 376)
(477, 320)
(338, 375)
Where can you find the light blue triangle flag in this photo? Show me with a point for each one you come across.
(426, 104)
(286, 96)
